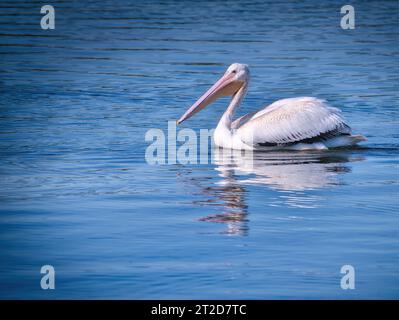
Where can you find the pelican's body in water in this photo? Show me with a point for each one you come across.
(296, 123)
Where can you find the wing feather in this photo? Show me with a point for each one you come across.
(290, 120)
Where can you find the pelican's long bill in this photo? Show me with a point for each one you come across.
(225, 86)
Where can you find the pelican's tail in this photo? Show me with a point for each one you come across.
(344, 140)
(358, 138)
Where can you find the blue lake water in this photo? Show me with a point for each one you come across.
(77, 193)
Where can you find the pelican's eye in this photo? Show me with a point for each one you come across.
(234, 71)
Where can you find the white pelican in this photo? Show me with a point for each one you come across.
(295, 123)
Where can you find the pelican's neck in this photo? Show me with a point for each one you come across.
(227, 118)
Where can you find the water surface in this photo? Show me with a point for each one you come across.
(77, 193)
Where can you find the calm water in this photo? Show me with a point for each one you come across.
(77, 193)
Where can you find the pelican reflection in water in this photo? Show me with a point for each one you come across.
(292, 175)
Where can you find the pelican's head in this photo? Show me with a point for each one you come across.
(235, 78)
(240, 71)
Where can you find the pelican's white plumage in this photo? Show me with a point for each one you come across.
(291, 120)
(293, 123)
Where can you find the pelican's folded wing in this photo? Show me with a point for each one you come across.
(292, 120)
